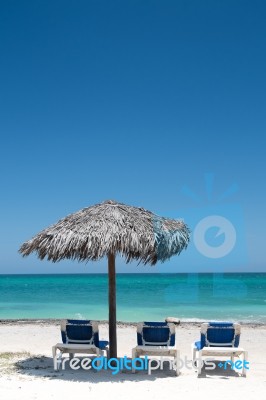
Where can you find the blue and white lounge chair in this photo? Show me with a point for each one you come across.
(79, 336)
(156, 339)
(218, 339)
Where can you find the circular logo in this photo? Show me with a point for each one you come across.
(225, 227)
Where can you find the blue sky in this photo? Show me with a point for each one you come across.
(138, 101)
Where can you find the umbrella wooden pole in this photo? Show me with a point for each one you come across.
(112, 306)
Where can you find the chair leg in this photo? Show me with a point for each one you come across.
(107, 354)
(133, 357)
(245, 358)
(98, 354)
(199, 363)
(177, 359)
(54, 348)
(194, 351)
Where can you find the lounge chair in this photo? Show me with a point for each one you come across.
(78, 336)
(220, 339)
(156, 339)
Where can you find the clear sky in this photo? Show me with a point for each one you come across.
(145, 102)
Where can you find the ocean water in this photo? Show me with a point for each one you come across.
(191, 297)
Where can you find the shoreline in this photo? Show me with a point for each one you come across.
(52, 322)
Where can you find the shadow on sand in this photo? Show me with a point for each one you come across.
(42, 366)
(219, 372)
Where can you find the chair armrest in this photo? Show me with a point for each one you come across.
(103, 344)
(198, 345)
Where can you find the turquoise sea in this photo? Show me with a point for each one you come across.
(140, 297)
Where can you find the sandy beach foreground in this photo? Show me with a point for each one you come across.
(26, 368)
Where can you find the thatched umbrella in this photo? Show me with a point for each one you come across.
(107, 229)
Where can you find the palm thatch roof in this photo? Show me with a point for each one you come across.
(110, 228)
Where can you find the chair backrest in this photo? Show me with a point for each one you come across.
(220, 334)
(80, 331)
(155, 334)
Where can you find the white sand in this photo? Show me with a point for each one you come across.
(33, 376)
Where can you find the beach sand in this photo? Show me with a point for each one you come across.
(26, 368)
